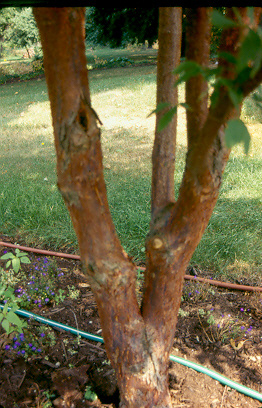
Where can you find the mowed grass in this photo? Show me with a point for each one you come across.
(31, 208)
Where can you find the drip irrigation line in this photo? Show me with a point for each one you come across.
(190, 364)
(217, 283)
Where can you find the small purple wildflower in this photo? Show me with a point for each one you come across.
(242, 309)
(7, 347)
(30, 345)
(42, 335)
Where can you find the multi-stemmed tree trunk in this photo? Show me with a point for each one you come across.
(138, 340)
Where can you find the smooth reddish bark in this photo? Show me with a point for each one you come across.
(163, 158)
(138, 342)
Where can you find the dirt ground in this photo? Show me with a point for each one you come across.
(75, 372)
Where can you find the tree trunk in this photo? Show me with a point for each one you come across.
(138, 341)
(142, 379)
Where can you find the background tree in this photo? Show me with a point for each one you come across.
(6, 16)
(118, 27)
(22, 31)
(138, 339)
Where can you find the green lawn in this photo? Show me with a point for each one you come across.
(31, 208)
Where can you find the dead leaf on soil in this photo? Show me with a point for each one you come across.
(236, 347)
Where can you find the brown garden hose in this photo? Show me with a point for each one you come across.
(227, 285)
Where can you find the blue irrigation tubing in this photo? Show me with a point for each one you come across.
(197, 367)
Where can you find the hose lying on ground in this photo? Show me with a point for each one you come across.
(227, 285)
(197, 367)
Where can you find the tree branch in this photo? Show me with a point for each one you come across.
(198, 35)
(163, 158)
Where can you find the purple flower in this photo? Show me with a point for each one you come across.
(7, 347)
(46, 300)
(42, 335)
(33, 348)
(39, 350)
(30, 345)
(242, 327)
(242, 309)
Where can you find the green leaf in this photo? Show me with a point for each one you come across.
(166, 118)
(159, 107)
(6, 325)
(219, 20)
(236, 96)
(228, 57)
(187, 70)
(236, 132)
(5, 309)
(13, 318)
(25, 259)
(19, 254)
(2, 289)
(249, 50)
(9, 255)
(16, 264)
(8, 263)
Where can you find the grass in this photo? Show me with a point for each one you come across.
(32, 209)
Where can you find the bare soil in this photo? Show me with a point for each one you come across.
(70, 370)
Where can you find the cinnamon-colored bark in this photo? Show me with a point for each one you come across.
(198, 50)
(80, 179)
(138, 341)
(163, 159)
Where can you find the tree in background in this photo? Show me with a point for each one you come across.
(118, 27)
(21, 30)
(6, 16)
(138, 339)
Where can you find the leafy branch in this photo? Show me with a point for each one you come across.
(246, 66)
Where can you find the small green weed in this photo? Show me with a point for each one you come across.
(73, 293)
(223, 328)
(8, 318)
(89, 394)
(16, 260)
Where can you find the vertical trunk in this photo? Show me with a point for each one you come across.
(163, 159)
(197, 50)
